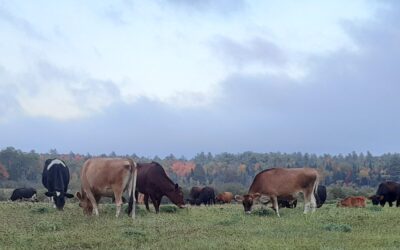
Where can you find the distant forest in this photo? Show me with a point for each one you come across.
(225, 170)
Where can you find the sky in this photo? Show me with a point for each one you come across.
(182, 77)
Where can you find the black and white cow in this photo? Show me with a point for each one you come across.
(24, 193)
(55, 179)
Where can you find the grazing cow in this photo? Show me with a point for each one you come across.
(198, 195)
(206, 197)
(320, 195)
(352, 201)
(24, 193)
(291, 202)
(224, 197)
(287, 202)
(154, 183)
(275, 182)
(108, 177)
(55, 178)
(387, 192)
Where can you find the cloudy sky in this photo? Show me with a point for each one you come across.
(175, 76)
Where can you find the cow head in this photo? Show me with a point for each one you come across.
(176, 196)
(84, 203)
(247, 201)
(59, 198)
(376, 199)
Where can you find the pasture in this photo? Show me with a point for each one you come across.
(25, 225)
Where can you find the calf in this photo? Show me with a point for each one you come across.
(108, 177)
(224, 197)
(55, 178)
(24, 193)
(352, 201)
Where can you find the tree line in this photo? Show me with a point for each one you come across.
(353, 169)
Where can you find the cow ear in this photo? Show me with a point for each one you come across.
(381, 197)
(49, 194)
(69, 195)
(238, 198)
(176, 186)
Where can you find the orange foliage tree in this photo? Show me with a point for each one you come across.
(183, 169)
(3, 172)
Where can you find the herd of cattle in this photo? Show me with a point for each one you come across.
(111, 177)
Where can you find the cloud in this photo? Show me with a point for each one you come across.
(221, 6)
(256, 50)
(20, 24)
(53, 92)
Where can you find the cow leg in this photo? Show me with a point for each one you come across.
(146, 202)
(398, 203)
(313, 203)
(275, 204)
(156, 202)
(118, 200)
(307, 201)
(390, 204)
(92, 199)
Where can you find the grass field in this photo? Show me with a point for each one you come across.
(39, 226)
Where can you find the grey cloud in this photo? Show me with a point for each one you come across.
(115, 15)
(256, 50)
(224, 7)
(20, 24)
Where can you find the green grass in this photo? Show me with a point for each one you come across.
(39, 226)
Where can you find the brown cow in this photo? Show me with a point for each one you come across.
(154, 183)
(107, 177)
(272, 183)
(140, 199)
(224, 197)
(352, 201)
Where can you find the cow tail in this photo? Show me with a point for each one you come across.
(316, 183)
(131, 204)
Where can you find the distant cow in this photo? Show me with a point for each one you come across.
(205, 195)
(287, 202)
(320, 195)
(224, 197)
(284, 182)
(387, 192)
(291, 202)
(154, 183)
(24, 193)
(55, 178)
(107, 177)
(352, 201)
(194, 194)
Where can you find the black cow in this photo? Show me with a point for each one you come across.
(205, 195)
(55, 179)
(388, 191)
(290, 202)
(320, 196)
(24, 193)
